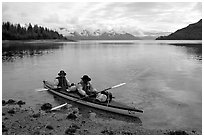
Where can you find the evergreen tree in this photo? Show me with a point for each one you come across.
(17, 32)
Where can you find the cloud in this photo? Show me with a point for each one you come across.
(197, 7)
(23, 14)
(133, 17)
(5, 7)
(53, 18)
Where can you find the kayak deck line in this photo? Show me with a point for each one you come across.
(112, 106)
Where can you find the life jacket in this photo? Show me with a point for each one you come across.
(62, 82)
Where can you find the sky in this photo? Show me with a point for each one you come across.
(137, 18)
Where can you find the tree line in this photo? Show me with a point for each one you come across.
(17, 32)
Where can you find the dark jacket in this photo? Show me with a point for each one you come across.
(62, 82)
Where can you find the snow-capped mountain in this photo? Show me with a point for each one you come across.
(85, 33)
(96, 35)
(65, 32)
(97, 32)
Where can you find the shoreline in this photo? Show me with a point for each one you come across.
(36, 41)
(20, 119)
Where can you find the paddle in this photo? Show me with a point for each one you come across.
(113, 87)
(103, 90)
(59, 106)
(45, 89)
(41, 89)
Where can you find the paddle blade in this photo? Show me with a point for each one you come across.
(118, 85)
(41, 89)
(59, 106)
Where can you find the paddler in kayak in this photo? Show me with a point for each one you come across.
(85, 88)
(62, 82)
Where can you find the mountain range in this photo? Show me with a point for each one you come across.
(97, 35)
(191, 32)
(107, 35)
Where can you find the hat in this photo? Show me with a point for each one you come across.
(86, 78)
(62, 73)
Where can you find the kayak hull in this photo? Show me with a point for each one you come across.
(113, 106)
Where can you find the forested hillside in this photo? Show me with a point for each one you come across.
(17, 32)
(191, 32)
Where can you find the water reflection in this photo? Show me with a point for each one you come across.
(14, 50)
(192, 49)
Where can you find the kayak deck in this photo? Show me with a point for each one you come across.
(92, 101)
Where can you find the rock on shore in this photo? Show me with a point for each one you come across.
(21, 120)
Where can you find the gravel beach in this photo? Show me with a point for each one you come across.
(19, 119)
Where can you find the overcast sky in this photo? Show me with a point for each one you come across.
(133, 17)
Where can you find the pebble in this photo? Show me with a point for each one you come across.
(72, 129)
(49, 127)
(5, 118)
(11, 111)
(36, 115)
(107, 132)
(194, 131)
(75, 126)
(75, 111)
(20, 102)
(89, 111)
(72, 116)
(4, 102)
(11, 101)
(86, 130)
(69, 105)
(46, 106)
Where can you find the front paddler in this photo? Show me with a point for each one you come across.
(62, 82)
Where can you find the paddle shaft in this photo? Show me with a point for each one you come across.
(102, 91)
(41, 89)
(59, 106)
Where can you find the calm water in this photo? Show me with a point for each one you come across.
(163, 78)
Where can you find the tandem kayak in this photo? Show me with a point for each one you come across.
(113, 106)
